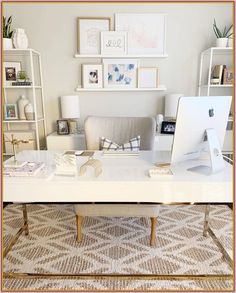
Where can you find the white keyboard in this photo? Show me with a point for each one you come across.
(120, 153)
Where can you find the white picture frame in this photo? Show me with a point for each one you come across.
(92, 76)
(147, 77)
(146, 32)
(10, 111)
(120, 73)
(10, 70)
(88, 34)
(113, 42)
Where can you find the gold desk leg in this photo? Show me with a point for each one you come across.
(20, 231)
(206, 220)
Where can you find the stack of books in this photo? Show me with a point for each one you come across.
(28, 169)
(21, 83)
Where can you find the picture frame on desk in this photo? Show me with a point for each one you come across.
(63, 127)
(168, 127)
(10, 71)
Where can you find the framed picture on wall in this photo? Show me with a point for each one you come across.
(114, 43)
(89, 29)
(147, 77)
(146, 32)
(92, 76)
(119, 73)
(10, 70)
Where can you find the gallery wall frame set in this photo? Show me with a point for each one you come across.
(142, 33)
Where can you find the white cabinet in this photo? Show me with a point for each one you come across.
(30, 61)
(65, 142)
(209, 58)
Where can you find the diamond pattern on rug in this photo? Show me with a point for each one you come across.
(116, 245)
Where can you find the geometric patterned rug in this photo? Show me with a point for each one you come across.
(117, 245)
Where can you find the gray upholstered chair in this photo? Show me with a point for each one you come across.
(119, 130)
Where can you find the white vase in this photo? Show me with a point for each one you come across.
(230, 42)
(7, 44)
(22, 102)
(20, 39)
(221, 42)
(29, 112)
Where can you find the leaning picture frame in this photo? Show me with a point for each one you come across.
(88, 34)
(147, 77)
(120, 73)
(92, 76)
(10, 112)
(146, 32)
(113, 42)
(228, 77)
(10, 70)
(63, 127)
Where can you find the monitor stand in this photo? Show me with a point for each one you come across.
(216, 158)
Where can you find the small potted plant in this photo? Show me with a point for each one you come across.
(7, 33)
(222, 36)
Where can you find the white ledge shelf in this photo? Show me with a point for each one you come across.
(22, 121)
(22, 87)
(160, 88)
(218, 85)
(121, 56)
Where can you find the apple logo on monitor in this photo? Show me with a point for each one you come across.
(211, 112)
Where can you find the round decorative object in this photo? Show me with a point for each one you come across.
(20, 39)
(29, 112)
(22, 102)
(221, 42)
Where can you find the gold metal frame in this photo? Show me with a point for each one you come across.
(206, 231)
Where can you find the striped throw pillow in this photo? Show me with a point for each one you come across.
(132, 145)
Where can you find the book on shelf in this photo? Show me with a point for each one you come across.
(217, 74)
(21, 83)
(28, 169)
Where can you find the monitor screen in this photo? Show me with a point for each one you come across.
(194, 116)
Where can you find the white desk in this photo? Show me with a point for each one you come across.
(124, 179)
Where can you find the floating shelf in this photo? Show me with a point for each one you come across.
(121, 56)
(22, 86)
(160, 88)
(22, 121)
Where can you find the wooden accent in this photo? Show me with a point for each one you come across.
(79, 220)
(153, 231)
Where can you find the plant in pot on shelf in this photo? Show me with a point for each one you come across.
(222, 36)
(7, 33)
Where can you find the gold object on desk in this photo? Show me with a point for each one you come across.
(96, 164)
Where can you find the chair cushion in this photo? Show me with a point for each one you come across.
(132, 145)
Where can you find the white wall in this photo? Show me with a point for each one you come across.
(51, 29)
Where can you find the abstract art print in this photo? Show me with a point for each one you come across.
(120, 73)
(146, 32)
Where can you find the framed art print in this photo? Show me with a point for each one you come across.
(92, 76)
(89, 29)
(146, 32)
(119, 73)
(148, 77)
(10, 70)
(114, 43)
(10, 111)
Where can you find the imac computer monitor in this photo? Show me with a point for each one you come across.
(200, 128)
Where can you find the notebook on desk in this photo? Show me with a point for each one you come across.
(29, 169)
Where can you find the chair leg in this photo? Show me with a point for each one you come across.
(153, 231)
(79, 220)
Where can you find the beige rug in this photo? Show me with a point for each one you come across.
(116, 245)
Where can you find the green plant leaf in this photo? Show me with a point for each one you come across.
(217, 32)
(228, 30)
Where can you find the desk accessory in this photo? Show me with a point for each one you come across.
(16, 142)
(65, 164)
(96, 164)
(160, 169)
(28, 169)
